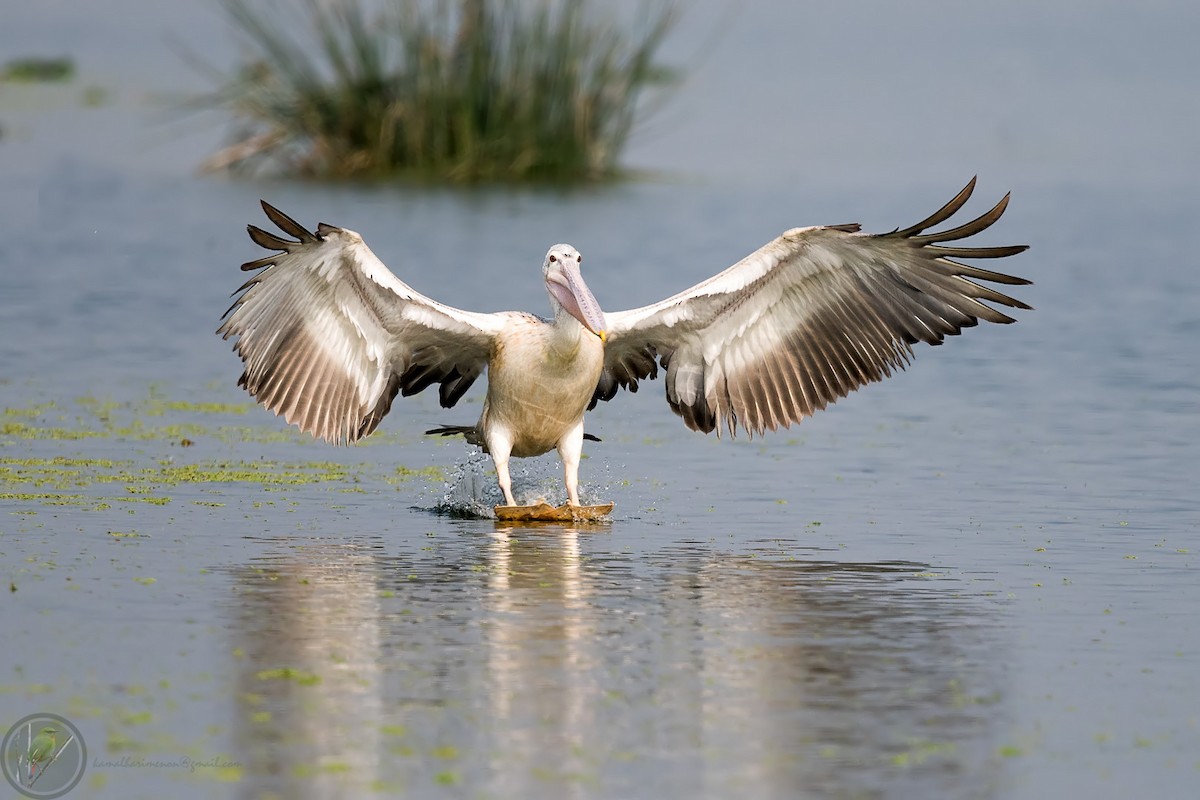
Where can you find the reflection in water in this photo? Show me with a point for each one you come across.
(538, 662)
(309, 713)
(540, 658)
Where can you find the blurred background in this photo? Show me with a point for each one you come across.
(977, 579)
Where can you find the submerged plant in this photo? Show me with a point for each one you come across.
(456, 90)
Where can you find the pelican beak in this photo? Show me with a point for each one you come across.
(567, 287)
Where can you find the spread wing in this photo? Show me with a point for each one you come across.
(806, 319)
(329, 335)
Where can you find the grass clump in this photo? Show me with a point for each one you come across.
(463, 91)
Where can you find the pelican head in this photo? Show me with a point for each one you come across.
(567, 290)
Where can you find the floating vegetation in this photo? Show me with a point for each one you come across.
(61, 454)
(298, 676)
(462, 91)
(158, 407)
(404, 474)
(35, 69)
(20, 430)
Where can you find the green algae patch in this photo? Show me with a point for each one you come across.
(262, 472)
(32, 412)
(137, 717)
(154, 501)
(52, 473)
(306, 770)
(21, 430)
(921, 751)
(227, 773)
(70, 473)
(100, 419)
(297, 676)
(156, 407)
(47, 498)
(406, 474)
(60, 461)
(49, 463)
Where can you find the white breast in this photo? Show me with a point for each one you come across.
(540, 381)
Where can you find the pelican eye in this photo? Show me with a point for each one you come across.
(578, 258)
(553, 259)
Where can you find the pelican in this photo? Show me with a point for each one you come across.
(329, 336)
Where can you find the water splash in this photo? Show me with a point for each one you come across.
(471, 490)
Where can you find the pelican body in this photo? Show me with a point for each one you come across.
(329, 336)
(541, 378)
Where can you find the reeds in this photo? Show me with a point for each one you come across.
(442, 90)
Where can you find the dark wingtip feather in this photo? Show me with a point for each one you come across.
(978, 252)
(977, 225)
(287, 224)
(268, 241)
(942, 214)
(259, 263)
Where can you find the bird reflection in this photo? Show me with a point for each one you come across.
(540, 660)
(548, 662)
(309, 717)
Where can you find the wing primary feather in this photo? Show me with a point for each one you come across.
(346, 407)
(808, 375)
(842, 328)
(259, 263)
(790, 395)
(321, 405)
(799, 379)
(942, 214)
(952, 299)
(226, 330)
(269, 241)
(824, 360)
(752, 414)
(871, 330)
(371, 421)
(287, 224)
(254, 280)
(974, 290)
(298, 381)
(980, 223)
(294, 399)
(948, 267)
(265, 371)
(783, 407)
(978, 252)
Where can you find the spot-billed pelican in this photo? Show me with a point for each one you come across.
(329, 336)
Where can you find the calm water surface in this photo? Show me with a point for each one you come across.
(976, 580)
